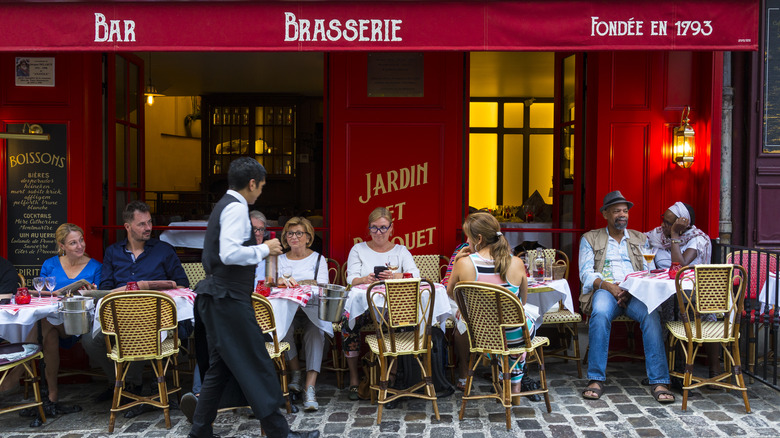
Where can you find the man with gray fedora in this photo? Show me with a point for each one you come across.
(607, 255)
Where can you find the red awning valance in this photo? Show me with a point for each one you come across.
(543, 25)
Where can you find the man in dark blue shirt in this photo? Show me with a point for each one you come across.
(140, 256)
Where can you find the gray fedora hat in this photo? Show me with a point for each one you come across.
(613, 198)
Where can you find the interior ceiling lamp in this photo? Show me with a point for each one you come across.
(150, 91)
(684, 141)
(29, 132)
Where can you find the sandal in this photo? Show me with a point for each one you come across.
(353, 393)
(461, 385)
(657, 393)
(598, 390)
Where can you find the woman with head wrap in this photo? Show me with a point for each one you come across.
(678, 240)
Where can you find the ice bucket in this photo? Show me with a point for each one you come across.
(75, 314)
(332, 298)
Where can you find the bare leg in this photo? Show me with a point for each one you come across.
(354, 377)
(311, 378)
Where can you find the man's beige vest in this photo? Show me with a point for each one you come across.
(598, 241)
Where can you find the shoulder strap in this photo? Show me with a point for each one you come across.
(317, 266)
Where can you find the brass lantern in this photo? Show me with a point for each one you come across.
(684, 141)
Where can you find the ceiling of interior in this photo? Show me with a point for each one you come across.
(515, 74)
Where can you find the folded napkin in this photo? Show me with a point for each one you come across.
(156, 285)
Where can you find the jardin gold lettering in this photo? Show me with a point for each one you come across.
(406, 177)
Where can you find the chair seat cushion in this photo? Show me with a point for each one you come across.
(167, 349)
(11, 354)
(561, 317)
(711, 331)
(283, 346)
(404, 343)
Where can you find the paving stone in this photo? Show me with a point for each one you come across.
(415, 428)
(528, 424)
(474, 435)
(554, 418)
(731, 429)
(336, 428)
(717, 416)
(363, 422)
(577, 410)
(535, 434)
(607, 416)
(593, 434)
(390, 426)
(442, 432)
(628, 409)
(524, 412)
(618, 398)
(638, 422)
(649, 432)
(584, 421)
(561, 431)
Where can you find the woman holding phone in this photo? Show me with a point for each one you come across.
(368, 262)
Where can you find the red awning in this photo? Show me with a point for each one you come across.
(543, 25)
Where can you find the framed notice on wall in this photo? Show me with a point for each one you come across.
(34, 72)
(37, 196)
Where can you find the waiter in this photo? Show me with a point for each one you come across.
(236, 346)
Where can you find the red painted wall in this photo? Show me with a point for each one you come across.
(634, 105)
(75, 100)
(387, 138)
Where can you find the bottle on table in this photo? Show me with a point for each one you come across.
(539, 266)
(271, 263)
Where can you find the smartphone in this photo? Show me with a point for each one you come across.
(378, 270)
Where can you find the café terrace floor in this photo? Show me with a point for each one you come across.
(625, 410)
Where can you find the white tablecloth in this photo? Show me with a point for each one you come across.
(768, 291)
(517, 237)
(185, 307)
(16, 320)
(547, 295)
(654, 290)
(357, 304)
(185, 238)
(285, 309)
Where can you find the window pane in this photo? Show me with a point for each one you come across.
(567, 157)
(513, 170)
(133, 94)
(482, 170)
(120, 156)
(541, 115)
(134, 171)
(568, 89)
(540, 166)
(513, 115)
(483, 114)
(121, 88)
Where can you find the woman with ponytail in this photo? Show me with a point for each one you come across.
(488, 258)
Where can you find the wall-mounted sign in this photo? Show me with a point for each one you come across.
(34, 72)
(396, 74)
(37, 196)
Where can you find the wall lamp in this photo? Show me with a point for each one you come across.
(684, 141)
(150, 91)
(29, 132)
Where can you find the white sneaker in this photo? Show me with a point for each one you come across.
(295, 382)
(310, 400)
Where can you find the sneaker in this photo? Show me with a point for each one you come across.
(310, 400)
(353, 393)
(295, 382)
(187, 406)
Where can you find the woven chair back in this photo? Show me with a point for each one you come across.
(757, 265)
(264, 315)
(135, 320)
(489, 310)
(429, 266)
(712, 293)
(334, 271)
(195, 272)
(402, 304)
(556, 254)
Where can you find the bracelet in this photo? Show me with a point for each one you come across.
(602, 282)
(677, 241)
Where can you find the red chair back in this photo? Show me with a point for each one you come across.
(757, 265)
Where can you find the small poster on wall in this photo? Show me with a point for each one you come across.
(34, 72)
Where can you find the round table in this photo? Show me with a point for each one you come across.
(286, 302)
(17, 320)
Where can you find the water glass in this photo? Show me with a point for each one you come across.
(38, 284)
(51, 283)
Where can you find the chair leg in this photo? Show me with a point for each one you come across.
(118, 385)
(688, 377)
(738, 375)
(752, 340)
(506, 391)
(429, 378)
(469, 379)
(543, 377)
(32, 370)
(162, 389)
(383, 378)
(280, 362)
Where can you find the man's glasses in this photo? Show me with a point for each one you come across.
(382, 230)
(297, 234)
(258, 230)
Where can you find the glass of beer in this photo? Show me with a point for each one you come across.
(649, 255)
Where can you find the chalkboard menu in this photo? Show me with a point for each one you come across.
(37, 196)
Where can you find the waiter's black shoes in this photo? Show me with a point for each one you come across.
(187, 406)
(304, 434)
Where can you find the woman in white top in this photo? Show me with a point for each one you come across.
(362, 259)
(304, 266)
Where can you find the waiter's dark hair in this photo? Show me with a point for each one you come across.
(242, 170)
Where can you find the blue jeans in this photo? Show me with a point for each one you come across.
(605, 309)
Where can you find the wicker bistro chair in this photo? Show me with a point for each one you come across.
(489, 311)
(430, 266)
(566, 321)
(133, 323)
(712, 292)
(25, 355)
(401, 305)
(334, 271)
(195, 272)
(264, 315)
(22, 281)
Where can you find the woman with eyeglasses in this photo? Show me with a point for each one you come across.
(301, 265)
(363, 257)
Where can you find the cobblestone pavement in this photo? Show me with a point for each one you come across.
(625, 410)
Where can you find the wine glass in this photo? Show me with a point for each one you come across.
(287, 273)
(38, 283)
(649, 255)
(51, 282)
(392, 263)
